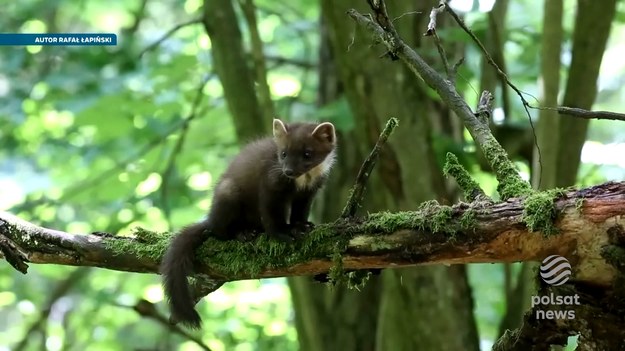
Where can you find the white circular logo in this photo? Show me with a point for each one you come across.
(555, 270)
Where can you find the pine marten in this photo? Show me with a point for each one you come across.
(269, 186)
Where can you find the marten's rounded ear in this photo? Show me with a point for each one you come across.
(325, 131)
(279, 129)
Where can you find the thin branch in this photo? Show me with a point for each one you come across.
(279, 60)
(406, 14)
(586, 114)
(168, 34)
(454, 71)
(148, 310)
(442, 54)
(358, 189)
(431, 31)
(434, 234)
(489, 58)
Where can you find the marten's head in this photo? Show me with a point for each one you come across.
(305, 150)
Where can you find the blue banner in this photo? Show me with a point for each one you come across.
(59, 39)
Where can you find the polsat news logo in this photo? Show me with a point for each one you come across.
(555, 270)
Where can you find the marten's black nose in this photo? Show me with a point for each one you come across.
(289, 172)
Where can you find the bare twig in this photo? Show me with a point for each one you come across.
(358, 189)
(443, 55)
(454, 71)
(431, 31)
(406, 14)
(279, 60)
(168, 34)
(489, 58)
(581, 113)
(148, 310)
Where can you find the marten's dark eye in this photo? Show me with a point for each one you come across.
(307, 155)
(283, 154)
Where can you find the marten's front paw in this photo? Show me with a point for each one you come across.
(300, 229)
(303, 226)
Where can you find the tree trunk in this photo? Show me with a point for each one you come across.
(592, 28)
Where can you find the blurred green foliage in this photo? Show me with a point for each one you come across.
(88, 138)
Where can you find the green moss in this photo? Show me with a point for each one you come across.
(579, 204)
(470, 188)
(468, 219)
(385, 221)
(430, 216)
(251, 257)
(440, 220)
(510, 182)
(539, 212)
(145, 243)
(234, 258)
(337, 273)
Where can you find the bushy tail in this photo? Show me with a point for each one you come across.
(176, 266)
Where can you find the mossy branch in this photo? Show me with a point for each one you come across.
(434, 234)
(510, 182)
(358, 190)
(471, 189)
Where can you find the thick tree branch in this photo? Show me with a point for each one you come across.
(432, 235)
